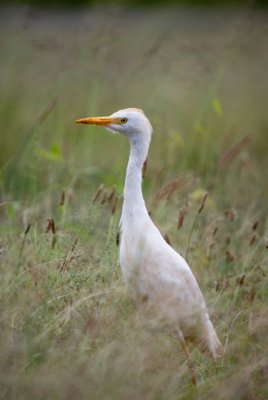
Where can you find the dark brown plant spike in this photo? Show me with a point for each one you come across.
(98, 193)
(255, 225)
(182, 214)
(53, 228)
(166, 237)
(27, 229)
(114, 204)
(241, 279)
(104, 197)
(117, 239)
(180, 218)
(48, 225)
(144, 169)
(203, 202)
(112, 194)
(62, 198)
(22, 246)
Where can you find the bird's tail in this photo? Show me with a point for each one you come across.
(210, 342)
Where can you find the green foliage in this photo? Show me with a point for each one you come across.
(68, 327)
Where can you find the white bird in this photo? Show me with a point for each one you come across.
(155, 274)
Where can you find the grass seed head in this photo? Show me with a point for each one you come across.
(51, 226)
(255, 225)
(229, 214)
(98, 193)
(253, 239)
(144, 168)
(62, 198)
(203, 202)
(167, 239)
(182, 214)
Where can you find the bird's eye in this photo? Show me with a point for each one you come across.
(123, 120)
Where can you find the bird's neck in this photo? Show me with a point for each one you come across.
(133, 197)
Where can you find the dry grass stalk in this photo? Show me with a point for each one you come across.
(203, 202)
(114, 204)
(167, 239)
(171, 187)
(51, 225)
(105, 197)
(62, 198)
(182, 214)
(98, 193)
(240, 280)
(230, 154)
(144, 168)
(27, 229)
(69, 257)
(112, 194)
(117, 239)
(255, 225)
(253, 239)
(200, 209)
(22, 245)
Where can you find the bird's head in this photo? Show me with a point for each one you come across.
(131, 122)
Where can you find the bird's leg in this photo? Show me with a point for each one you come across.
(188, 356)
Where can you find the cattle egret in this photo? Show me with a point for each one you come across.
(155, 274)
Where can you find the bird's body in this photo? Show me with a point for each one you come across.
(154, 273)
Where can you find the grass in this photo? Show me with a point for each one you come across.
(68, 327)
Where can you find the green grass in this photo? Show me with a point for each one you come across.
(68, 327)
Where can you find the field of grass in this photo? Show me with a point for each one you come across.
(67, 327)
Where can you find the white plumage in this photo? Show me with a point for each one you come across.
(155, 274)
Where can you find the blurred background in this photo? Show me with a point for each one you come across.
(198, 69)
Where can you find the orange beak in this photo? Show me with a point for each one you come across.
(104, 121)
